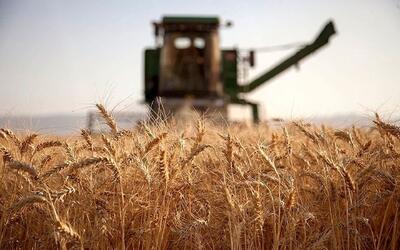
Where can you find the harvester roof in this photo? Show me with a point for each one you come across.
(190, 20)
(189, 23)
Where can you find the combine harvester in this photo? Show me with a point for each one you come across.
(188, 67)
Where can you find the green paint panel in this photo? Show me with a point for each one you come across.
(151, 73)
(229, 72)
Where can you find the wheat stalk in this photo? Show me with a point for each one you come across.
(107, 118)
(163, 166)
(11, 135)
(154, 142)
(87, 137)
(108, 146)
(31, 199)
(27, 143)
(48, 144)
(24, 167)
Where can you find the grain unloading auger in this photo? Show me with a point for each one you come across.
(187, 66)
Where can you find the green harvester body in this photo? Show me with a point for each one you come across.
(188, 64)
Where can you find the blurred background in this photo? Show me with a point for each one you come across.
(58, 58)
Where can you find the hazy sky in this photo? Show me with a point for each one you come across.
(62, 56)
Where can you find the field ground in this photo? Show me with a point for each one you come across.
(164, 185)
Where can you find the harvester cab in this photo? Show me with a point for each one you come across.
(187, 67)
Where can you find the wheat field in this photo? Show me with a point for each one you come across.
(162, 185)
